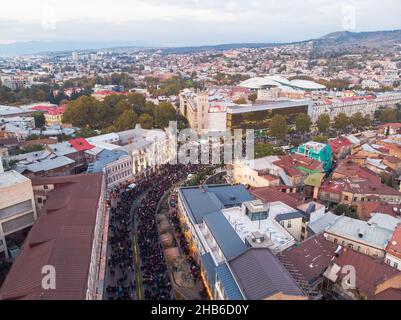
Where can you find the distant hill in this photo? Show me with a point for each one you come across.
(35, 47)
(345, 40)
(220, 47)
(336, 41)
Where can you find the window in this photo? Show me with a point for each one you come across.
(346, 198)
(396, 265)
(289, 224)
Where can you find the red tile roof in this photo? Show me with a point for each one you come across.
(62, 237)
(81, 144)
(394, 245)
(339, 143)
(268, 194)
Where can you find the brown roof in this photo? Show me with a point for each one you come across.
(311, 258)
(368, 208)
(62, 237)
(370, 272)
(394, 245)
(268, 194)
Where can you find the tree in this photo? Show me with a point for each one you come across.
(278, 127)
(344, 209)
(266, 149)
(125, 121)
(388, 115)
(240, 101)
(253, 97)
(341, 121)
(146, 121)
(39, 118)
(302, 123)
(323, 123)
(163, 114)
(321, 139)
(357, 120)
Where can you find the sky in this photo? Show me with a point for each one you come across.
(191, 22)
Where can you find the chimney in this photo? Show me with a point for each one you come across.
(1, 164)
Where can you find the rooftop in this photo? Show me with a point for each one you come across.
(260, 275)
(361, 231)
(311, 257)
(62, 237)
(10, 178)
(244, 226)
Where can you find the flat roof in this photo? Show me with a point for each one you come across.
(10, 178)
(244, 226)
(271, 106)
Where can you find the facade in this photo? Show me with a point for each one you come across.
(366, 105)
(393, 250)
(262, 173)
(195, 107)
(54, 116)
(316, 151)
(258, 117)
(116, 165)
(17, 207)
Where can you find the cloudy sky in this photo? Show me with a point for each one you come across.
(191, 22)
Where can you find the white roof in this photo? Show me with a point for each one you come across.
(244, 226)
(307, 85)
(10, 178)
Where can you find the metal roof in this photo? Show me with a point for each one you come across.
(230, 195)
(319, 225)
(260, 275)
(226, 237)
(200, 202)
(228, 283)
(104, 158)
(210, 268)
(352, 228)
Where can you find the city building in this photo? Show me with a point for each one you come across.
(316, 151)
(115, 164)
(367, 237)
(69, 236)
(17, 209)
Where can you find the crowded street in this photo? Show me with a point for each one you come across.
(136, 266)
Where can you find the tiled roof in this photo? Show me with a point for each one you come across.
(268, 194)
(61, 237)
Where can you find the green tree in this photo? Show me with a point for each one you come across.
(388, 115)
(278, 127)
(265, 149)
(344, 209)
(39, 118)
(323, 123)
(341, 121)
(357, 120)
(146, 121)
(125, 121)
(163, 114)
(302, 123)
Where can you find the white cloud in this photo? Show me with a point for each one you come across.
(189, 21)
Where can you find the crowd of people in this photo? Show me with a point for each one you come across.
(156, 280)
(121, 256)
(134, 211)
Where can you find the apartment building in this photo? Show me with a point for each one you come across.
(17, 207)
